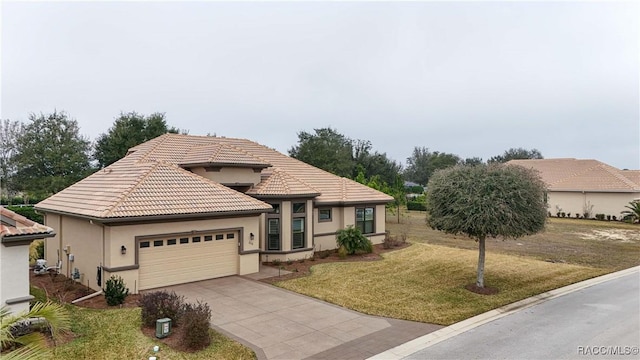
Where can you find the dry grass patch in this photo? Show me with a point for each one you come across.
(426, 283)
(115, 334)
(604, 244)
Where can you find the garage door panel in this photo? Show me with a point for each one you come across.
(180, 263)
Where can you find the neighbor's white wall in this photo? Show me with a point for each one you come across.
(603, 203)
(14, 275)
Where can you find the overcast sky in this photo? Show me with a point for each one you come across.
(470, 78)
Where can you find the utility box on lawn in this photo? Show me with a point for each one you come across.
(163, 327)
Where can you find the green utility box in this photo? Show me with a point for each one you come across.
(163, 328)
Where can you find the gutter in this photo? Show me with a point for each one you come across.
(22, 239)
(133, 219)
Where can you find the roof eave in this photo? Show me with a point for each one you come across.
(222, 164)
(352, 202)
(24, 239)
(283, 196)
(596, 190)
(110, 220)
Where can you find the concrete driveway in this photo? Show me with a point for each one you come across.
(279, 324)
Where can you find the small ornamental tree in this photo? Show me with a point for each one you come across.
(116, 291)
(486, 200)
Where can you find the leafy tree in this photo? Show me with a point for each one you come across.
(423, 163)
(632, 213)
(486, 200)
(352, 240)
(376, 164)
(9, 133)
(129, 130)
(50, 155)
(338, 154)
(472, 161)
(31, 345)
(326, 149)
(516, 154)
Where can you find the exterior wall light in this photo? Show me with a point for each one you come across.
(123, 250)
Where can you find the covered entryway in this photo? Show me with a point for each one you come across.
(177, 259)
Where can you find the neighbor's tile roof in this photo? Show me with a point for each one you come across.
(132, 189)
(149, 182)
(12, 224)
(582, 175)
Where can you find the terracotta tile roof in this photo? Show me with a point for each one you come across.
(219, 154)
(332, 188)
(12, 224)
(149, 182)
(582, 175)
(278, 183)
(135, 189)
(633, 175)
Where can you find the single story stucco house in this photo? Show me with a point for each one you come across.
(183, 208)
(577, 186)
(16, 234)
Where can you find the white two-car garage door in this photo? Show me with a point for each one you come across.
(171, 260)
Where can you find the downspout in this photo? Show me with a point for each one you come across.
(101, 274)
(87, 297)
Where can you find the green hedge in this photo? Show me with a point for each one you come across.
(18, 200)
(416, 205)
(27, 211)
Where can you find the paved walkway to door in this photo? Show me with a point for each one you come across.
(280, 324)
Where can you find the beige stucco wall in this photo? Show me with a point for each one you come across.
(14, 276)
(603, 203)
(86, 243)
(229, 175)
(341, 218)
(249, 263)
(324, 232)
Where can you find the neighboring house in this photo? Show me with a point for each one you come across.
(183, 208)
(16, 234)
(577, 186)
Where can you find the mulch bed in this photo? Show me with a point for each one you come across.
(65, 290)
(301, 268)
(481, 290)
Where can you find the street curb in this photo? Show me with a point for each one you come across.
(435, 337)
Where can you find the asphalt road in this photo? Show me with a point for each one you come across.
(598, 322)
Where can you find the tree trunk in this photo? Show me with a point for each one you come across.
(398, 214)
(480, 281)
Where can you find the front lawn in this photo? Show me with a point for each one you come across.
(426, 283)
(115, 334)
(610, 245)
